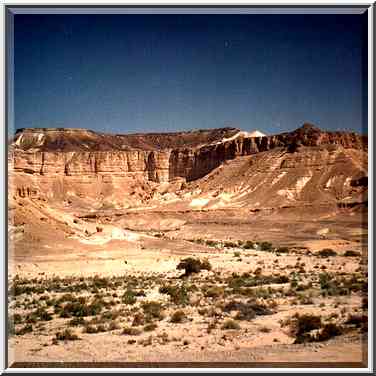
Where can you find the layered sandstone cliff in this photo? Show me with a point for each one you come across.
(72, 152)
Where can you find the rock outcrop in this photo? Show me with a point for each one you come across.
(124, 170)
(81, 152)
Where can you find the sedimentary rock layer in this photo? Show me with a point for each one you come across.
(164, 158)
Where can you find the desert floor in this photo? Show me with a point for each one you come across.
(271, 294)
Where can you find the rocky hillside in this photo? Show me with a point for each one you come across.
(126, 170)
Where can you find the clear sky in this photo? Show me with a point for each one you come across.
(159, 73)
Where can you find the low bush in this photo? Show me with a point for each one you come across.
(328, 331)
(78, 309)
(266, 246)
(178, 317)
(16, 318)
(129, 297)
(282, 250)
(77, 321)
(90, 329)
(178, 294)
(66, 335)
(351, 253)
(192, 265)
(138, 319)
(150, 327)
(327, 252)
(302, 325)
(28, 328)
(248, 244)
(152, 310)
(213, 291)
(358, 321)
(247, 311)
(42, 314)
(131, 331)
(230, 325)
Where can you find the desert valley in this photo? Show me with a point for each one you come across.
(214, 245)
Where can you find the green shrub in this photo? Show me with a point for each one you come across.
(78, 309)
(325, 281)
(129, 297)
(178, 294)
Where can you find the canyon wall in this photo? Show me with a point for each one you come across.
(31, 154)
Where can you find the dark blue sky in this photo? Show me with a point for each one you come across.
(142, 73)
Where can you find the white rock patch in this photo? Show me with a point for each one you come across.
(199, 202)
(279, 177)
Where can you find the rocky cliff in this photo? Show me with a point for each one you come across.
(154, 157)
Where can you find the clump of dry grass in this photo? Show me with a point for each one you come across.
(230, 325)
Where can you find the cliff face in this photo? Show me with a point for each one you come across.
(194, 164)
(59, 163)
(39, 153)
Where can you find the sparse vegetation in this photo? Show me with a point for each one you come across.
(327, 252)
(230, 325)
(282, 250)
(192, 265)
(150, 327)
(28, 328)
(222, 300)
(178, 317)
(266, 246)
(351, 253)
(129, 297)
(66, 335)
(178, 294)
(131, 331)
(247, 311)
(152, 310)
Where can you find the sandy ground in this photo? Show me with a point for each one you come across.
(145, 253)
